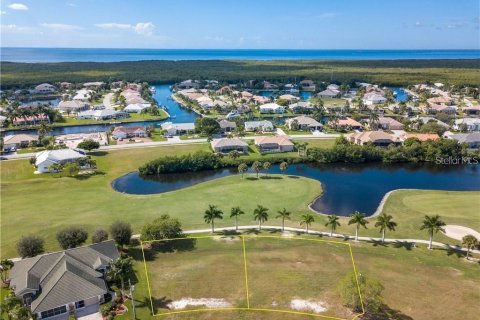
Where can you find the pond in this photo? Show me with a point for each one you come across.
(347, 187)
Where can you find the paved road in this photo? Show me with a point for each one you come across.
(107, 99)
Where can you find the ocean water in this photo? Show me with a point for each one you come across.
(113, 55)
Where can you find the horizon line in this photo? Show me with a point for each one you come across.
(245, 49)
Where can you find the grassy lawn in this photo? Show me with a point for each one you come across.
(134, 117)
(317, 143)
(414, 280)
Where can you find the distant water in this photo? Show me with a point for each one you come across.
(112, 55)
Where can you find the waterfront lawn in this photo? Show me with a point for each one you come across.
(317, 142)
(415, 280)
(134, 117)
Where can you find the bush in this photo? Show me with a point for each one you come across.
(99, 235)
(162, 228)
(89, 145)
(121, 232)
(71, 237)
(371, 290)
(186, 163)
(30, 246)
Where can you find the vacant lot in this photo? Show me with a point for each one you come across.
(283, 274)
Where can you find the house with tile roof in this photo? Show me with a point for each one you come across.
(304, 123)
(55, 284)
(274, 144)
(225, 145)
(377, 138)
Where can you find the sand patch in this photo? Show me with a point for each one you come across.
(227, 239)
(308, 305)
(207, 302)
(458, 232)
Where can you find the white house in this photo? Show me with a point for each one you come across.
(44, 159)
(136, 107)
(304, 123)
(271, 108)
(178, 128)
(44, 88)
(129, 132)
(264, 125)
(73, 106)
(82, 95)
(467, 124)
(102, 114)
(373, 98)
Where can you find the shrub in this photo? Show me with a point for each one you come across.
(121, 232)
(30, 246)
(162, 228)
(99, 235)
(71, 237)
(89, 145)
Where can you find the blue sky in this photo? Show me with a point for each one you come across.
(245, 24)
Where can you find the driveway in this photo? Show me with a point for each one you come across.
(107, 99)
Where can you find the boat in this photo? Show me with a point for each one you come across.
(152, 89)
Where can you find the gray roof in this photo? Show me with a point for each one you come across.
(473, 137)
(228, 142)
(227, 124)
(53, 276)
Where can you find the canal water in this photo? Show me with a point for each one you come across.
(347, 187)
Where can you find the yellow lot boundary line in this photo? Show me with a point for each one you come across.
(246, 278)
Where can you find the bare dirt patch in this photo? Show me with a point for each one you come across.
(308, 305)
(205, 302)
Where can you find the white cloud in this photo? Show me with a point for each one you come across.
(144, 28)
(15, 29)
(18, 6)
(2, 12)
(327, 15)
(60, 27)
(141, 28)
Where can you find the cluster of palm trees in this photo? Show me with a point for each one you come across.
(258, 166)
(384, 222)
(260, 214)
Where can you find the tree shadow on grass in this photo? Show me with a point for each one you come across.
(271, 178)
(252, 231)
(404, 244)
(377, 243)
(98, 153)
(251, 178)
(293, 177)
(158, 303)
(275, 231)
(452, 251)
(386, 313)
(229, 233)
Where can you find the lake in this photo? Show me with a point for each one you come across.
(347, 187)
(115, 55)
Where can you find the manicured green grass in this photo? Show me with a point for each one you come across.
(316, 143)
(415, 280)
(42, 204)
(134, 117)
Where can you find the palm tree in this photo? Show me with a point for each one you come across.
(242, 168)
(235, 212)
(211, 214)
(119, 270)
(284, 214)
(267, 165)
(261, 214)
(470, 242)
(358, 219)
(373, 120)
(432, 225)
(43, 129)
(385, 221)
(283, 167)
(234, 154)
(257, 166)
(5, 266)
(307, 220)
(333, 223)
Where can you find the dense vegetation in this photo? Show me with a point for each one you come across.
(387, 72)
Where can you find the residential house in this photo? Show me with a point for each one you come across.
(436, 108)
(472, 140)
(225, 90)
(227, 126)
(304, 123)
(333, 86)
(445, 100)
(420, 136)
(467, 124)
(307, 85)
(225, 145)
(205, 102)
(424, 120)
(301, 106)
(261, 99)
(387, 123)
(17, 141)
(233, 115)
(174, 129)
(72, 141)
(189, 84)
(329, 93)
(56, 284)
(259, 126)
(274, 144)
(472, 109)
(269, 86)
(73, 106)
(246, 95)
(377, 138)
(30, 120)
(346, 123)
(289, 97)
(83, 95)
(44, 88)
(93, 85)
(122, 132)
(44, 159)
(271, 108)
(136, 107)
(104, 114)
(373, 98)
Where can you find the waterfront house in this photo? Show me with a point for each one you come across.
(72, 141)
(56, 284)
(304, 123)
(30, 120)
(307, 85)
(44, 159)
(18, 141)
(301, 106)
(174, 129)
(122, 132)
(259, 126)
(261, 99)
(73, 106)
(225, 145)
(436, 108)
(104, 114)
(274, 144)
(289, 97)
(333, 86)
(83, 95)
(472, 140)
(188, 84)
(93, 85)
(445, 100)
(387, 123)
(329, 93)
(373, 98)
(420, 136)
(377, 138)
(205, 102)
(467, 124)
(271, 108)
(136, 107)
(44, 88)
(345, 124)
(227, 126)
